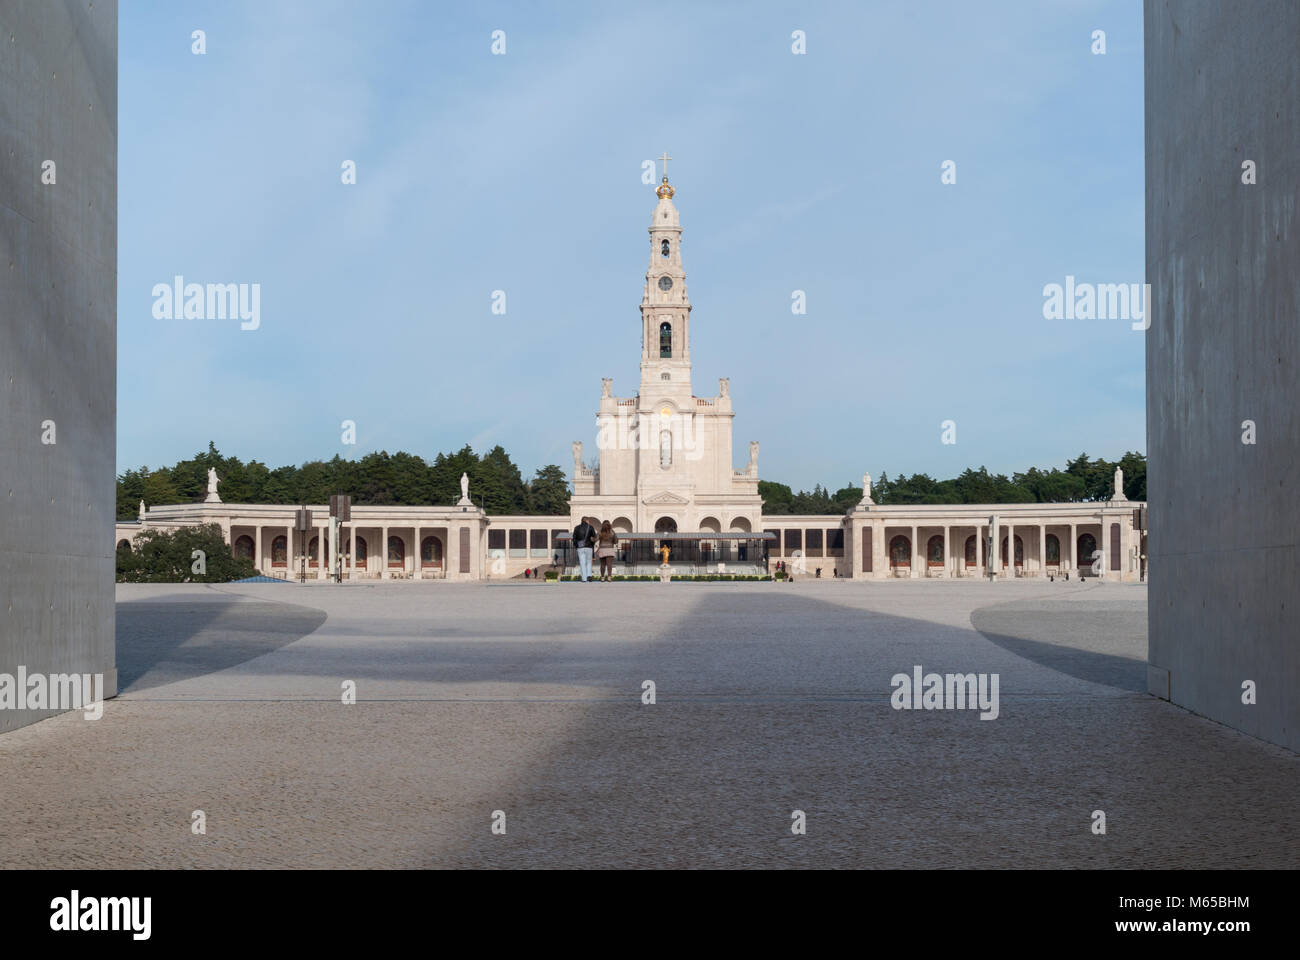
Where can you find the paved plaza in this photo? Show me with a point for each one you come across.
(526, 698)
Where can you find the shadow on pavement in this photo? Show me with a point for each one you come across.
(161, 642)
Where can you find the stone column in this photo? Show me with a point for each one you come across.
(383, 553)
(417, 569)
(257, 549)
(1074, 548)
(916, 572)
(1042, 550)
(1011, 548)
(1104, 548)
(320, 553)
(352, 551)
(947, 553)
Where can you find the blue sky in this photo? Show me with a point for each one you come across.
(522, 173)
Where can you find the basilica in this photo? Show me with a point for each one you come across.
(665, 478)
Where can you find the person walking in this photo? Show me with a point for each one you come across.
(584, 535)
(605, 551)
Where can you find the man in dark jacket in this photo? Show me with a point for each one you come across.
(584, 536)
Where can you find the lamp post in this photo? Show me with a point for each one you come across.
(303, 525)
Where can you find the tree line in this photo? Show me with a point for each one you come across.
(1083, 479)
(496, 484)
(401, 479)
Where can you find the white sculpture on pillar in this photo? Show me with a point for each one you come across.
(464, 500)
(212, 487)
(1119, 485)
(142, 511)
(866, 491)
(606, 386)
(751, 468)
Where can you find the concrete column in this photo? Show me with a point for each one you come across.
(1042, 550)
(352, 551)
(320, 553)
(1104, 546)
(289, 570)
(383, 553)
(1074, 548)
(417, 570)
(1011, 549)
(259, 562)
(947, 553)
(916, 572)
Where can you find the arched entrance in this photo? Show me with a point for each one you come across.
(665, 525)
(311, 552)
(1087, 544)
(934, 551)
(244, 547)
(430, 552)
(900, 552)
(1020, 552)
(396, 552)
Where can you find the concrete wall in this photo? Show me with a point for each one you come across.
(1223, 260)
(58, 330)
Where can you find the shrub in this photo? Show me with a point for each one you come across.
(552, 574)
(160, 556)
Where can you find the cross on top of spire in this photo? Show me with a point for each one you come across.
(665, 192)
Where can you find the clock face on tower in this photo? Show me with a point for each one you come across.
(665, 283)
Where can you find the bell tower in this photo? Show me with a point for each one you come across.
(665, 305)
(665, 454)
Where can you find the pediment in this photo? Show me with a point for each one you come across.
(666, 496)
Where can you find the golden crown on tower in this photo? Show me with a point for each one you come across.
(665, 190)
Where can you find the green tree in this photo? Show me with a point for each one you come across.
(162, 556)
(777, 497)
(548, 493)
